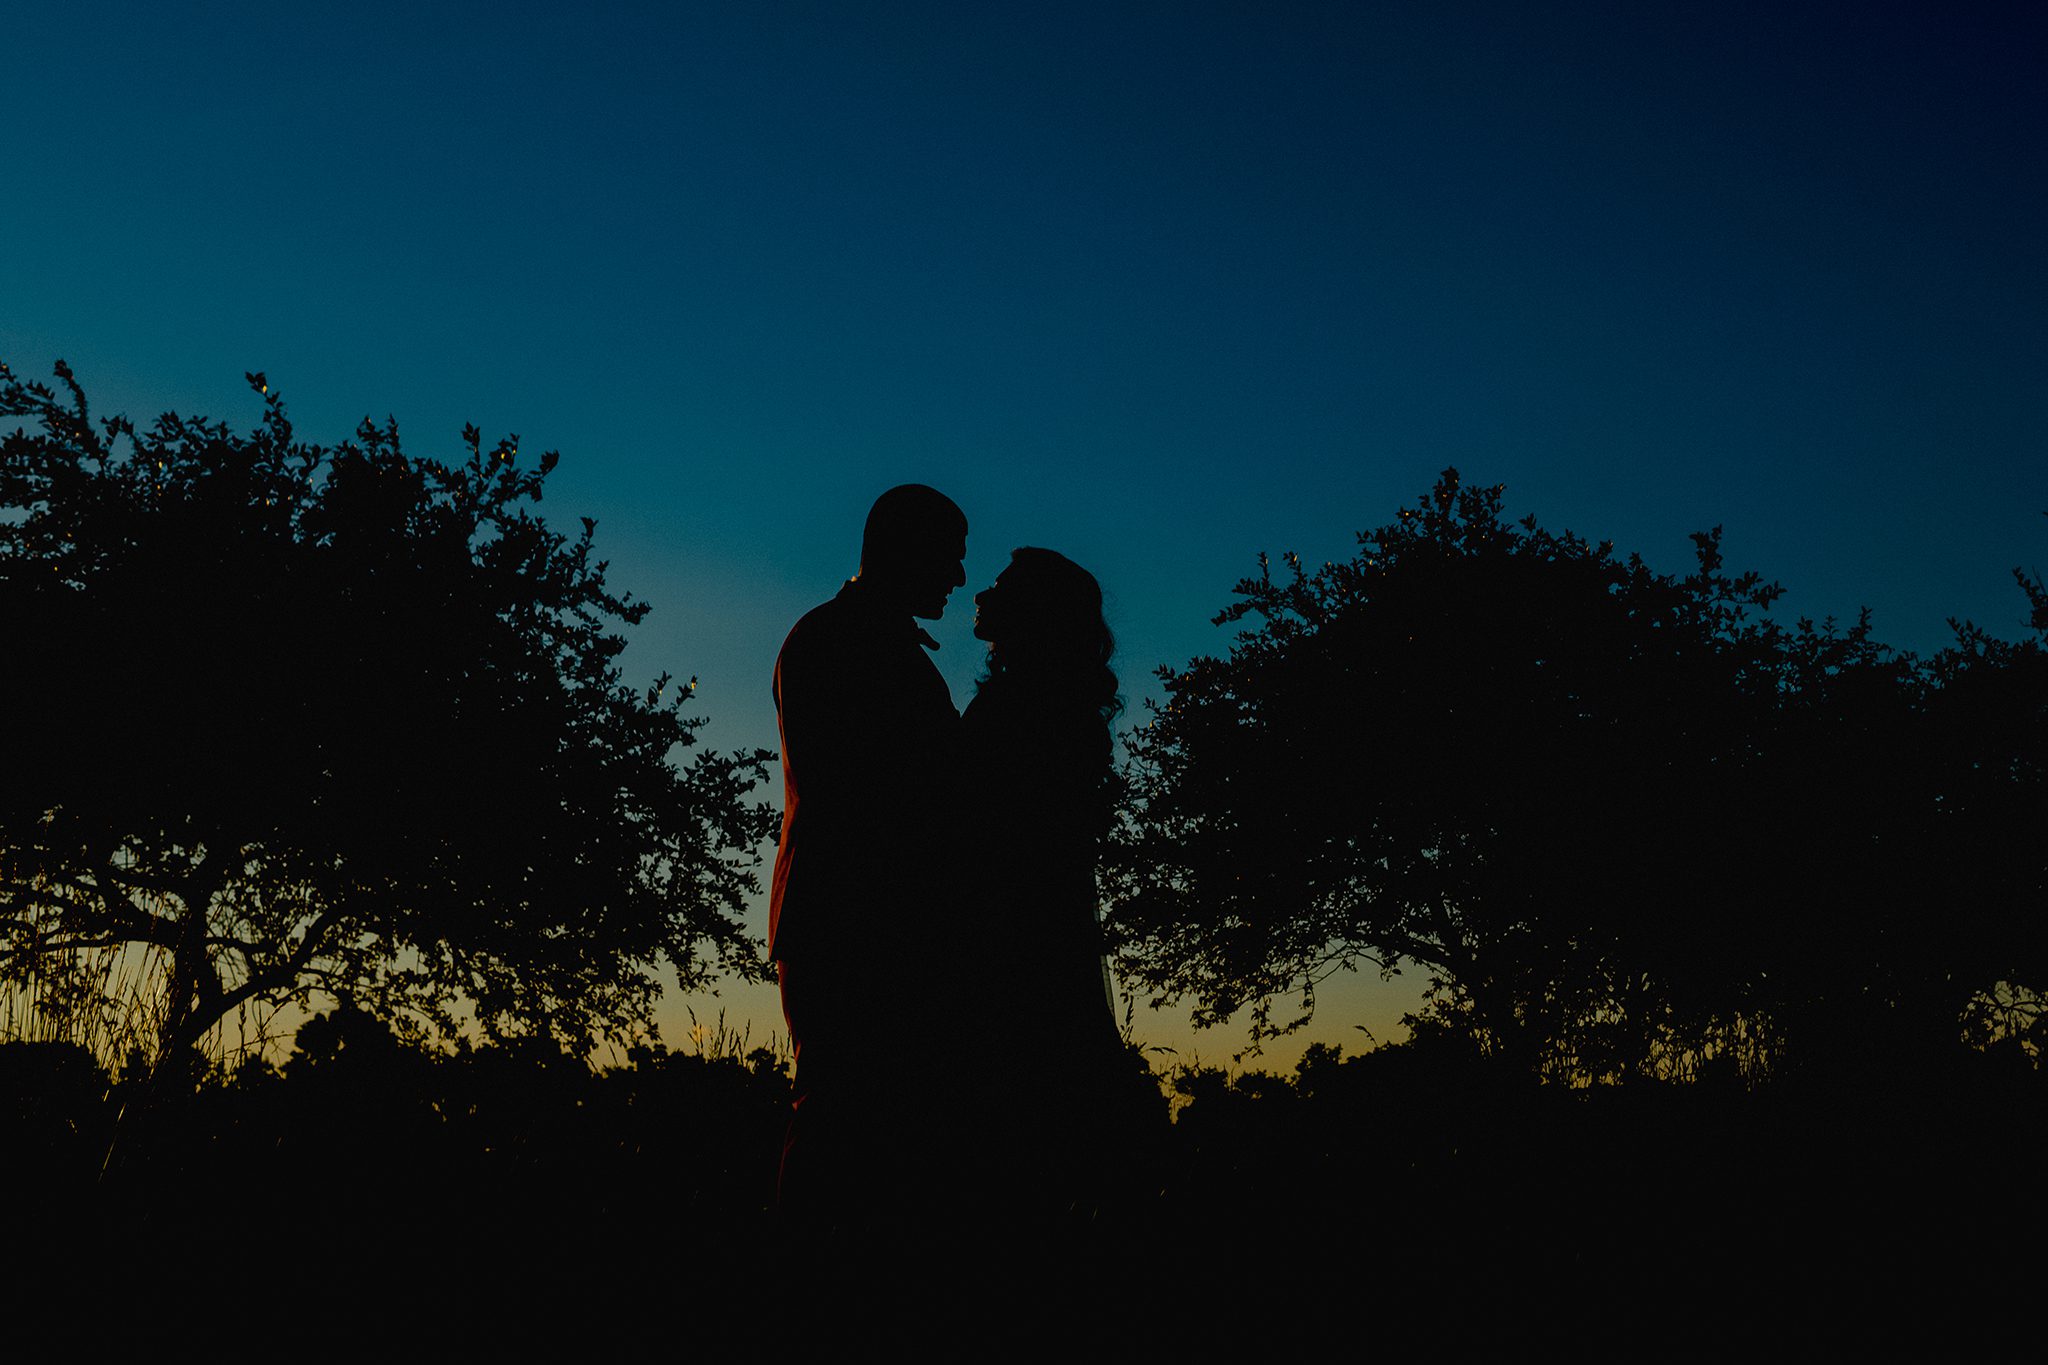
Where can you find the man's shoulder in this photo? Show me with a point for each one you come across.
(833, 639)
(828, 625)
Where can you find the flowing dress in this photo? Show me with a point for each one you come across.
(1036, 1002)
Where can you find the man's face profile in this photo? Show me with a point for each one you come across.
(934, 575)
(914, 548)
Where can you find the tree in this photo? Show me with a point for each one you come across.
(291, 719)
(1626, 823)
(1990, 740)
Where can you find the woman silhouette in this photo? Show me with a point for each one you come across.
(1036, 760)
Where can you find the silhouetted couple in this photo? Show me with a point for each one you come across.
(932, 918)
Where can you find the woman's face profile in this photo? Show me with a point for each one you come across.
(991, 608)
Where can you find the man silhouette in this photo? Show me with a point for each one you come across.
(868, 728)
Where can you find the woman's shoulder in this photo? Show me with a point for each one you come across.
(1015, 715)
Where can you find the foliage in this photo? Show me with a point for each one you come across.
(360, 1151)
(346, 721)
(1627, 823)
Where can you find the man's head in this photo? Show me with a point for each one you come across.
(914, 548)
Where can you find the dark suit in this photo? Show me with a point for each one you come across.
(868, 730)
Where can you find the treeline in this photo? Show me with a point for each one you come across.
(1711, 905)
(314, 722)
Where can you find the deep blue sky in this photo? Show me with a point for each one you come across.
(1159, 286)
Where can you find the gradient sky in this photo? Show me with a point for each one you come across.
(1157, 285)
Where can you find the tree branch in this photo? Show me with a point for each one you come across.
(106, 915)
(218, 1003)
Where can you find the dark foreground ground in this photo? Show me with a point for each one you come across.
(372, 1194)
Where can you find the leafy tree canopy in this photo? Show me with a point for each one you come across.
(1626, 822)
(288, 719)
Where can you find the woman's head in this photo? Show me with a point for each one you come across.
(1042, 619)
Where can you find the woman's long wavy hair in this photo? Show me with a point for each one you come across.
(1056, 642)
